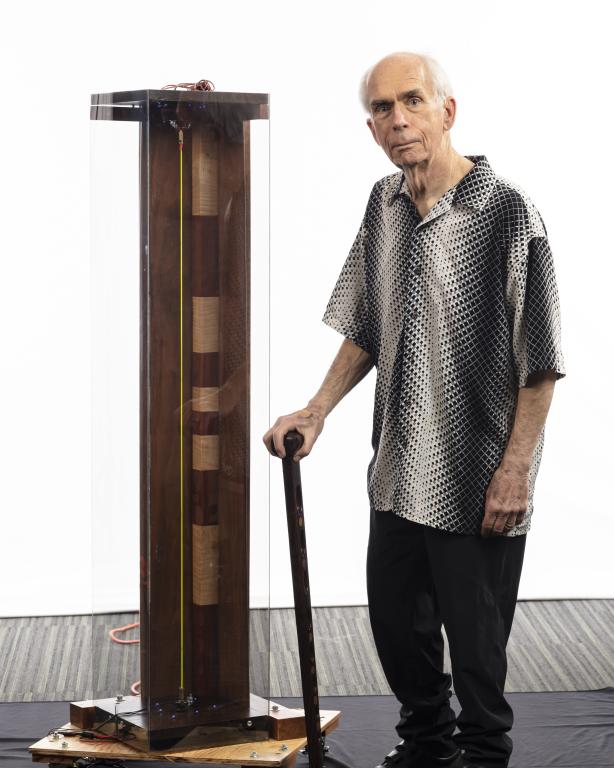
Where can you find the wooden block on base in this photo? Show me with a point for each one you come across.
(82, 714)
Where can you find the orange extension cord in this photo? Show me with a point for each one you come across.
(135, 688)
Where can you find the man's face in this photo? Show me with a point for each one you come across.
(407, 119)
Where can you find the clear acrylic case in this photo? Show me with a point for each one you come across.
(179, 276)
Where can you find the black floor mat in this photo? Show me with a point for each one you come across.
(569, 729)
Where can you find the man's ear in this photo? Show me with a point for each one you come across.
(372, 129)
(449, 113)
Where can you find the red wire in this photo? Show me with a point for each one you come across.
(124, 629)
(134, 686)
(201, 85)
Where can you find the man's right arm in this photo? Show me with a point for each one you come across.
(350, 366)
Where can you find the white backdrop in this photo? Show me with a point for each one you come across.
(532, 84)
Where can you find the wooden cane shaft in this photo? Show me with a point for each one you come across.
(302, 597)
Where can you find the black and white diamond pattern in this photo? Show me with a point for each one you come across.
(456, 310)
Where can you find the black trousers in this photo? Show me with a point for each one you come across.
(419, 578)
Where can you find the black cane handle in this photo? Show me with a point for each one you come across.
(292, 442)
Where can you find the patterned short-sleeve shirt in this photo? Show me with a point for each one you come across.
(456, 309)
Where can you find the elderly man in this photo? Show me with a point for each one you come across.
(449, 291)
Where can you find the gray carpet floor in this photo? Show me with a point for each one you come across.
(557, 645)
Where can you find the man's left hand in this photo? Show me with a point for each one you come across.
(506, 502)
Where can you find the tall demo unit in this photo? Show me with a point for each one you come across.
(199, 656)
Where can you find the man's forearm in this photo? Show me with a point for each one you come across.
(350, 365)
(531, 411)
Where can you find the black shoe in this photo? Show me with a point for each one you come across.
(399, 757)
(454, 760)
(403, 756)
(464, 762)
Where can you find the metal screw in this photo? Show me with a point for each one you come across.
(249, 723)
(119, 698)
(275, 707)
(254, 754)
(284, 747)
(64, 744)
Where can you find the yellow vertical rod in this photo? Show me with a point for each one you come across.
(181, 585)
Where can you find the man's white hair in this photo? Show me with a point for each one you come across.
(439, 78)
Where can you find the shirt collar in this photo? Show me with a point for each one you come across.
(472, 190)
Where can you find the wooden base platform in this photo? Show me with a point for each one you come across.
(270, 752)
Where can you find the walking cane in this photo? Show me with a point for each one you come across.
(302, 599)
(317, 750)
